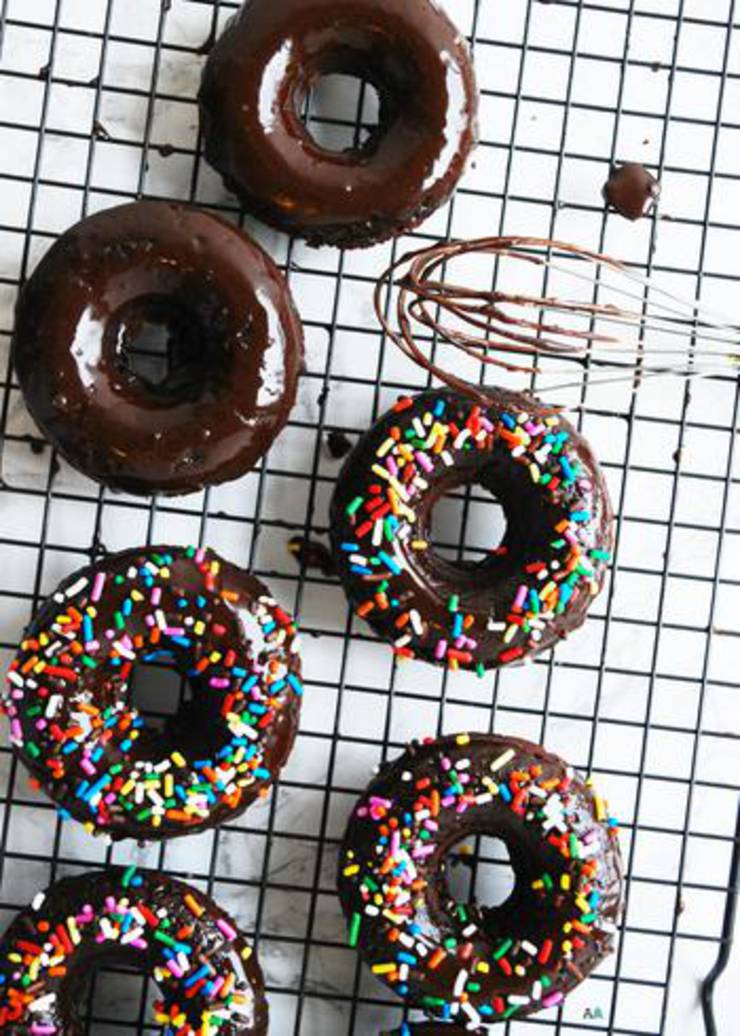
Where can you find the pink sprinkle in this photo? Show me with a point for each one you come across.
(98, 584)
(395, 842)
(216, 987)
(219, 681)
(552, 999)
(174, 631)
(424, 461)
(150, 621)
(392, 466)
(521, 596)
(140, 944)
(423, 850)
(88, 767)
(156, 595)
(16, 730)
(226, 929)
(175, 968)
(41, 724)
(441, 649)
(200, 555)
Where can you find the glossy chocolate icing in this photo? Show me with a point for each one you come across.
(245, 704)
(233, 339)
(209, 934)
(439, 793)
(259, 73)
(427, 582)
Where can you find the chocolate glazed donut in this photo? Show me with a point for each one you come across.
(468, 963)
(527, 593)
(210, 981)
(124, 279)
(68, 697)
(258, 76)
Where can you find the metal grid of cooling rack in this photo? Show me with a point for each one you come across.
(97, 107)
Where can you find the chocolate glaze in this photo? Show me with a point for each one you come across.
(236, 611)
(234, 343)
(632, 190)
(257, 78)
(487, 589)
(401, 797)
(156, 892)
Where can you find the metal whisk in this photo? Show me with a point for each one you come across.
(550, 299)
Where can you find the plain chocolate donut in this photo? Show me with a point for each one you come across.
(468, 963)
(207, 973)
(234, 348)
(259, 74)
(68, 693)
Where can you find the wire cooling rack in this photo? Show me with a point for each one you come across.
(97, 107)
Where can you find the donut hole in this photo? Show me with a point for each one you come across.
(177, 713)
(467, 525)
(479, 872)
(114, 991)
(341, 112)
(157, 692)
(170, 346)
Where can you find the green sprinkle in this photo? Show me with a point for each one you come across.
(454, 603)
(128, 875)
(354, 929)
(503, 949)
(355, 505)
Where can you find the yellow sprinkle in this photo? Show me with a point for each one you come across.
(565, 882)
(483, 966)
(600, 808)
(350, 871)
(463, 739)
(383, 969)
(178, 759)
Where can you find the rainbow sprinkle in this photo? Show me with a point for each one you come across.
(380, 538)
(67, 692)
(202, 964)
(421, 943)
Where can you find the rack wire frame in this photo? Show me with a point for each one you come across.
(355, 1004)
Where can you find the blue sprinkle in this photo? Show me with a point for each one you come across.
(389, 562)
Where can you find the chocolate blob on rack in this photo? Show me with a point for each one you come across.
(631, 190)
(470, 963)
(158, 348)
(68, 697)
(208, 975)
(257, 79)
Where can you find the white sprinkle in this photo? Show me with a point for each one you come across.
(503, 759)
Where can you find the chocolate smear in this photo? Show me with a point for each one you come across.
(312, 554)
(338, 443)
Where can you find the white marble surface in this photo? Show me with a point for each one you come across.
(602, 673)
